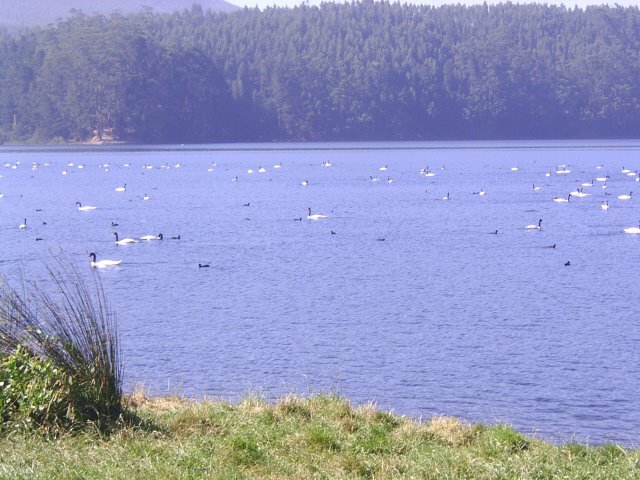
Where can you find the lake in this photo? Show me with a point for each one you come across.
(399, 296)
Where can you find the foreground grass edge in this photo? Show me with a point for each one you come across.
(323, 436)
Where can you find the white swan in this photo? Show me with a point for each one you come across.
(22, 226)
(305, 183)
(535, 227)
(84, 208)
(625, 196)
(124, 241)
(122, 188)
(605, 205)
(633, 229)
(103, 263)
(152, 237)
(315, 216)
(262, 170)
(562, 200)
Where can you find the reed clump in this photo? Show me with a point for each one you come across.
(59, 355)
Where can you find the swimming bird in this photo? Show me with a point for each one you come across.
(567, 263)
(562, 200)
(175, 238)
(535, 227)
(305, 183)
(605, 205)
(315, 216)
(124, 241)
(262, 170)
(203, 265)
(633, 229)
(84, 208)
(551, 246)
(494, 233)
(122, 188)
(625, 197)
(103, 263)
(152, 237)
(22, 226)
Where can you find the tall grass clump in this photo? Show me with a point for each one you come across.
(59, 354)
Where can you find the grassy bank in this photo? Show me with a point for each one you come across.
(319, 437)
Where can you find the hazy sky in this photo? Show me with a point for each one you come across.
(568, 3)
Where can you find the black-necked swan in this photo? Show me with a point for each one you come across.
(625, 197)
(84, 208)
(22, 226)
(124, 241)
(122, 188)
(535, 227)
(562, 200)
(315, 216)
(152, 237)
(633, 229)
(103, 263)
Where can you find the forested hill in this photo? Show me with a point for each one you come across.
(359, 71)
(20, 13)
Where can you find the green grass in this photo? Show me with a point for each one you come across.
(322, 437)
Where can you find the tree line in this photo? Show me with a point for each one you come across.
(356, 71)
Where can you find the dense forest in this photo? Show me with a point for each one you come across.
(358, 71)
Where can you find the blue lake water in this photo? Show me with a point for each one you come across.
(413, 302)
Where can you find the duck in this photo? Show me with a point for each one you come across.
(124, 241)
(85, 208)
(535, 227)
(633, 229)
(315, 216)
(152, 237)
(102, 263)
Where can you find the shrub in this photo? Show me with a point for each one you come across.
(59, 354)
